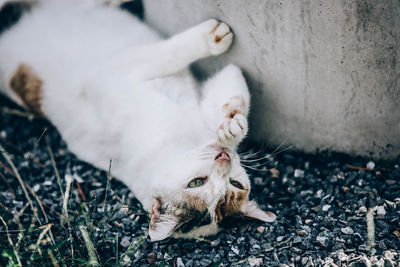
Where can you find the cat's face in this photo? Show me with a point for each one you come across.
(199, 191)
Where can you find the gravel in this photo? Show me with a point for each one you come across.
(321, 202)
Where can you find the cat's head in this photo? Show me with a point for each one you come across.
(199, 191)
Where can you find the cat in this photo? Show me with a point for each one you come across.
(115, 89)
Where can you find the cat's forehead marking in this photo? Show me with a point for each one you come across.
(27, 85)
(230, 204)
(196, 202)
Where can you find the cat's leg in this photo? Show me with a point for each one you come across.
(225, 103)
(178, 52)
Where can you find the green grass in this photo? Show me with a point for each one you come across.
(72, 237)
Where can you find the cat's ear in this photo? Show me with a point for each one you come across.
(162, 225)
(251, 210)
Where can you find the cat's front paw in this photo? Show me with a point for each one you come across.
(219, 37)
(232, 130)
(234, 127)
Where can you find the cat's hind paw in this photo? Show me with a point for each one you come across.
(232, 130)
(219, 36)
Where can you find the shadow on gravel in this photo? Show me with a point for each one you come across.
(322, 202)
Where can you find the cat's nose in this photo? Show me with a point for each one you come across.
(223, 156)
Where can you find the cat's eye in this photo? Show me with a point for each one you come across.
(236, 184)
(197, 182)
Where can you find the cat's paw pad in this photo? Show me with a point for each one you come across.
(232, 130)
(219, 36)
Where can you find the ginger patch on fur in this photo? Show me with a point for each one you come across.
(230, 204)
(28, 86)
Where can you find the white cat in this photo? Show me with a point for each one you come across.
(116, 90)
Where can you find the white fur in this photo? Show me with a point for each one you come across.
(116, 90)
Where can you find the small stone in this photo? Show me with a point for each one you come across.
(151, 258)
(319, 193)
(343, 257)
(306, 228)
(126, 261)
(18, 204)
(256, 262)
(301, 232)
(167, 257)
(360, 263)
(235, 250)
(179, 262)
(396, 233)
(380, 211)
(304, 261)
(279, 238)
(390, 203)
(347, 230)
(36, 187)
(307, 221)
(274, 173)
(48, 183)
(387, 263)
(382, 245)
(329, 261)
(370, 165)
(205, 262)
(76, 177)
(258, 181)
(125, 242)
(139, 254)
(326, 207)
(333, 179)
(388, 254)
(216, 258)
(324, 238)
(298, 220)
(261, 229)
(306, 193)
(298, 173)
(189, 263)
(297, 240)
(362, 209)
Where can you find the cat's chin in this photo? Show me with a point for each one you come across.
(205, 230)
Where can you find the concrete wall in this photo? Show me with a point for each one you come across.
(323, 74)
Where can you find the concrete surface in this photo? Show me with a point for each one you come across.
(323, 74)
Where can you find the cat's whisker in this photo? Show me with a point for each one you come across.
(258, 159)
(241, 148)
(269, 156)
(251, 153)
(254, 169)
(283, 150)
(281, 144)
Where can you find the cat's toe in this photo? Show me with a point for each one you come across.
(219, 38)
(239, 125)
(232, 131)
(222, 138)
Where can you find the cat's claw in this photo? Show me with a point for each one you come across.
(232, 131)
(219, 37)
